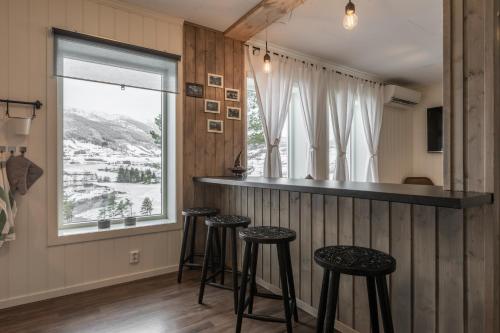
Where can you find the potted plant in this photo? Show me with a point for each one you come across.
(130, 220)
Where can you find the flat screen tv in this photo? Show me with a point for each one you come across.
(435, 130)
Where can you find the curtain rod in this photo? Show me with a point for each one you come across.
(312, 64)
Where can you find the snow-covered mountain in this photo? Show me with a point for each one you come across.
(114, 132)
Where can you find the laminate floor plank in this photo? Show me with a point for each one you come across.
(153, 305)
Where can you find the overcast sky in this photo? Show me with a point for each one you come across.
(139, 104)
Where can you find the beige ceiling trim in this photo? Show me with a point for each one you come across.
(260, 17)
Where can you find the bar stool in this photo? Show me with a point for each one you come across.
(281, 237)
(190, 217)
(216, 223)
(356, 261)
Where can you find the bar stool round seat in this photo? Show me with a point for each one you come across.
(191, 215)
(227, 221)
(253, 237)
(355, 260)
(268, 235)
(200, 211)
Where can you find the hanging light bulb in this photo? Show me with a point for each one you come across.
(267, 62)
(267, 59)
(350, 18)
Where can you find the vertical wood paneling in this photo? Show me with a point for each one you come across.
(331, 220)
(451, 270)
(258, 222)
(318, 241)
(295, 249)
(18, 77)
(401, 280)
(37, 233)
(90, 17)
(305, 238)
(475, 263)
(275, 222)
(346, 237)
(106, 22)
(228, 124)
(209, 154)
(428, 243)
(266, 248)
(424, 252)
(361, 238)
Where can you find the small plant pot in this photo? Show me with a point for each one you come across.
(21, 126)
(130, 221)
(103, 224)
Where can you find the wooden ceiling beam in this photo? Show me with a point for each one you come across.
(260, 17)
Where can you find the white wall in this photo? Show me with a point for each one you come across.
(29, 268)
(403, 141)
(395, 147)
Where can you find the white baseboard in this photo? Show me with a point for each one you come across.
(339, 326)
(77, 288)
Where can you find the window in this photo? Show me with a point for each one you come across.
(117, 137)
(357, 150)
(294, 141)
(256, 144)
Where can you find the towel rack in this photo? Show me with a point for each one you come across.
(36, 106)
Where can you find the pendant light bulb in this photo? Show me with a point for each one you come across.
(267, 62)
(267, 58)
(350, 18)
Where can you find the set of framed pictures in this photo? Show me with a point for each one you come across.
(214, 106)
(232, 112)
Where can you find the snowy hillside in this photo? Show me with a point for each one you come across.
(112, 166)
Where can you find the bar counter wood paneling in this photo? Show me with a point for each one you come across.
(438, 263)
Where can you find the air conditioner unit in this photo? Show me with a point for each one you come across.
(400, 97)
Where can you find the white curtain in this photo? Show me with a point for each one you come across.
(342, 94)
(312, 86)
(274, 90)
(371, 98)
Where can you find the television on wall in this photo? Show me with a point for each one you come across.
(435, 130)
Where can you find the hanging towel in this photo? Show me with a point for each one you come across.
(8, 209)
(22, 173)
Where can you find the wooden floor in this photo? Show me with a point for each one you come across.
(152, 305)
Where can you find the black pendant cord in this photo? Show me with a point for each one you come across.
(36, 106)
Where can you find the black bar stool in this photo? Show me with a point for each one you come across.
(190, 216)
(267, 235)
(216, 223)
(357, 261)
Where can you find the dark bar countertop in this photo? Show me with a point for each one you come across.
(411, 194)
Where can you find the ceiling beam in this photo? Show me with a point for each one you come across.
(260, 17)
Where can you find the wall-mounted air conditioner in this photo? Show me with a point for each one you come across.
(400, 97)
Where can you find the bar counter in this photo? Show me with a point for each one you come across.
(411, 194)
(440, 240)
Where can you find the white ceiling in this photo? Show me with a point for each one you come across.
(397, 40)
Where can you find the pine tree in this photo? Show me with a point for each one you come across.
(157, 135)
(147, 206)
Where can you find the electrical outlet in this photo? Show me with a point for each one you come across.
(135, 257)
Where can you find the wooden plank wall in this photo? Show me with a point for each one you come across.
(210, 154)
(439, 264)
(471, 130)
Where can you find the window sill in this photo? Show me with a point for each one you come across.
(88, 234)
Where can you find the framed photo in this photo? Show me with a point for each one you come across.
(232, 95)
(194, 90)
(215, 126)
(212, 106)
(233, 113)
(215, 80)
